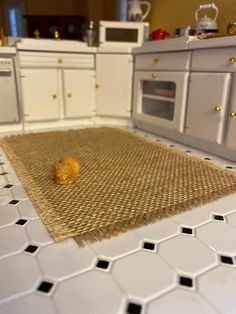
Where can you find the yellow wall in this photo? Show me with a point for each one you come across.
(56, 7)
(172, 14)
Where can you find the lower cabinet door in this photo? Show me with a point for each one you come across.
(231, 119)
(114, 85)
(79, 93)
(40, 94)
(207, 105)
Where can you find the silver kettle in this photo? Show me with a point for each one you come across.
(207, 24)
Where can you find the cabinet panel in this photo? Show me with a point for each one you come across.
(172, 61)
(40, 94)
(216, 60)
(231, 119)
(9, 111)
(207, 104)
(59, 60)
(160, 98)
(79, 93)
(114, 84)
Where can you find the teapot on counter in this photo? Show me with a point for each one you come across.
(134, 10)
(205, 23)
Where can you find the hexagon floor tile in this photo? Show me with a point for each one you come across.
(183, 264)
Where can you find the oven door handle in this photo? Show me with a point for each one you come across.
(5, 71)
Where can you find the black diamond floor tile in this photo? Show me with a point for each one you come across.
(14, 202)
(31, 248)
(187, 230)
(226, 260)
(45, 286)
(149, 246)
(21, 222)
(134, 308)
(102, 264)
(186, 281)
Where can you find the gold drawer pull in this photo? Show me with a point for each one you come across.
(232, 60)
(54, 96)
(217, 109)
(154, 75)
(60, 60)
(97, 85)
(156, 60)
(232, 114)
(69, 95)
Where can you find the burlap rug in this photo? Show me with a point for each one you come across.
(125, 181)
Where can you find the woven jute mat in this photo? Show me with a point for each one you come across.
(125, 181)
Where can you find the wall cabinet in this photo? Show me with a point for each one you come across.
(207, 106)
(114, 84)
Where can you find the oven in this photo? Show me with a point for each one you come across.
(160, 90)
(9, 104)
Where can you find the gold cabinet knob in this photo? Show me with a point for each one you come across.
(59, 60)
(232, 60)
(54, 96)
(154, 75)
(69, 95)
(232, 114)
(156, 60)
(217, 108)
(97, 85)
(37, 34)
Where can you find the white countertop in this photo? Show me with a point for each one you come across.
(7, 50)
(229, 41)
(170, 44)
(54, 45)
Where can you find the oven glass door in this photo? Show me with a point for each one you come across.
(160, 98)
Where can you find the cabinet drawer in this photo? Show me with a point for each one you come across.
(217, 60)
(173, 61)
(59, 60)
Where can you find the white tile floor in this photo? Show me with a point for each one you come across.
(184, 264)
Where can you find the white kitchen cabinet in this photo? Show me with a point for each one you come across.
(114, 84)
(231, 118)
(207, 106)
(40, 94)
(57, 86)
(79, 93)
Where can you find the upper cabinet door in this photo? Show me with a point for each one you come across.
(40, 94)
(207, 104)
(79, 93)
(114, 84)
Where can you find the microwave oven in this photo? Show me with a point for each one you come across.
(128, 34)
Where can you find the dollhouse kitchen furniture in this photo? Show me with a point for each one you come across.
(161, 85)
(207, 103)
(114, 74)
(57, 80)
(9, 97)
(212, 93)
